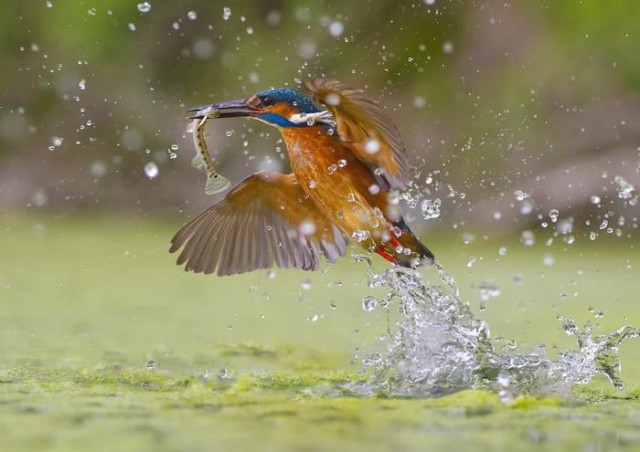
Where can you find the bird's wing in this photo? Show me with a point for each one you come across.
(366, 128)
(265, 220)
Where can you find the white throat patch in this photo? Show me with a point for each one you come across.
(323, 117)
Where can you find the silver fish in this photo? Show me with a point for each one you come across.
(216, 182)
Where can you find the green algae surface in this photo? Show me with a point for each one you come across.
(106, 345)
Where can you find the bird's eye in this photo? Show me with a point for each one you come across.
(267, 101)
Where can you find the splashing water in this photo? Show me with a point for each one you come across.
(441, 347)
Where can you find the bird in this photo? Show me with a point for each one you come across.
(346, 158)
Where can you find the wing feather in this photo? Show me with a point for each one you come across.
(366, 128)
(258, 225)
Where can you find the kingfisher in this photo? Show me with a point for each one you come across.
(347, 161)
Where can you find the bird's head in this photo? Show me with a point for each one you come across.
(278, 107)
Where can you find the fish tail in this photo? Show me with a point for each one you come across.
(216, 183)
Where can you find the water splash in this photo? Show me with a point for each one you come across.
(441, 347)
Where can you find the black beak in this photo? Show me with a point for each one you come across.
(232, 109)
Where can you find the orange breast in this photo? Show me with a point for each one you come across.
(341, 185)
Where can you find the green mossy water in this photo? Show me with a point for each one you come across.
(62, 409)
(107, 346)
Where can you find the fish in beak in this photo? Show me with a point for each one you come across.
(231, 109)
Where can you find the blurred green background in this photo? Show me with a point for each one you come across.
(491, 97)
(522, 117)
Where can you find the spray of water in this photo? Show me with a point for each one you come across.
(441, 347)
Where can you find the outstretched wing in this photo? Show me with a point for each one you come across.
(265, 220)
(366, 128)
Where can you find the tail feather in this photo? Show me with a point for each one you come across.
(406, 240)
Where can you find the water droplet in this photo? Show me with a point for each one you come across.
(430, 208)
(144, 7)
(369, 304)
(519, 195)
(151, 170)
(98, 169)
(274, 18)
(150, 365)
(527, 238)
(39, 198)
(553, 215)
(336, 28)
(371, 146)
(565, 226)
(526, 207)
(360, 235)
(447, 47)
(595, 199)
(192, 15)
(204, 48)
(332, 169)
(548, 260)
(82, 84)
(332, 99)
(342, 163)
(488, 289)
(307, 228)
(624, 188)
(306, 284)
(226, 13)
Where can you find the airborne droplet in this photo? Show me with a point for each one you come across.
(431, 208)
(144, 7)
(360, 235)
(369, 304)
(151, 170)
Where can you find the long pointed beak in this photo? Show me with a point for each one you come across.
(232, 109)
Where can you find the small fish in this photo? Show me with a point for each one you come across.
(216, 182)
